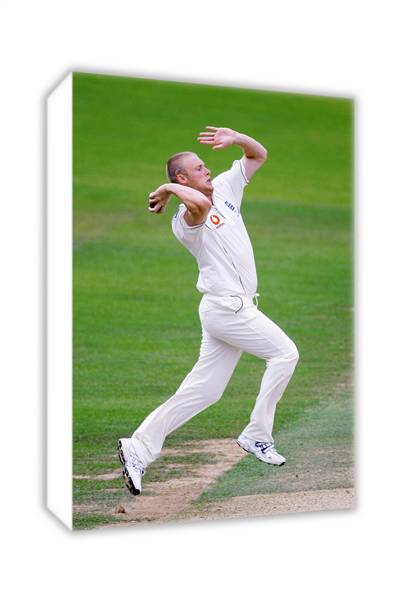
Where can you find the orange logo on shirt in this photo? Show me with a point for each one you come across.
(214, 219)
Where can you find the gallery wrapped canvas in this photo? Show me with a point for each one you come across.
(200, 324)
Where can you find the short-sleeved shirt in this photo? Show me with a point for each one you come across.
(221, 245)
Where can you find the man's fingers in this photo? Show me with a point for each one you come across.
(217, 146)
(156, 203)
(156, 208)
(206, 137)
(211, 127)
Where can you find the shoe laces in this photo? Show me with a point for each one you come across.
(134, 463)
(265, 446)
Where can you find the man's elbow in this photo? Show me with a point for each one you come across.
(263, 155)
(260, 157)
(198, 211)
(204, 205)
(201, 207)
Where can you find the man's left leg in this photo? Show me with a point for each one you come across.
(281, 356)
(253, 332)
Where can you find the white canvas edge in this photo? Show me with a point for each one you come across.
(59, 301)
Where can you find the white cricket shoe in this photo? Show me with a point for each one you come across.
(132, 467)
(264, 451)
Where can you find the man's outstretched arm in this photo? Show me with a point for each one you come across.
(221, 137)
(197, 204)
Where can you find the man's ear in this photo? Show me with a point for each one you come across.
(180, 178)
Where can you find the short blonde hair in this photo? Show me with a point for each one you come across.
(175, 165)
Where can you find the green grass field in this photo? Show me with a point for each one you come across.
(136, 329)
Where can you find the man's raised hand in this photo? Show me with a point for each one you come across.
(217, 137)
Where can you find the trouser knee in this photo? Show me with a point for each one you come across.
(203, 394)
(293, 355)
(213, 398)
(288, 359)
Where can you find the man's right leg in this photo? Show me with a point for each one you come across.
(203, 386)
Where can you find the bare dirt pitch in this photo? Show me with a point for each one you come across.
(173, 499)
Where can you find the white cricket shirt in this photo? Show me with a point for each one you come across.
(221, 244)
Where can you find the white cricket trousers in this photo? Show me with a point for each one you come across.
(231, 325)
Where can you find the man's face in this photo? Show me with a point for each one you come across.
(197, 175)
